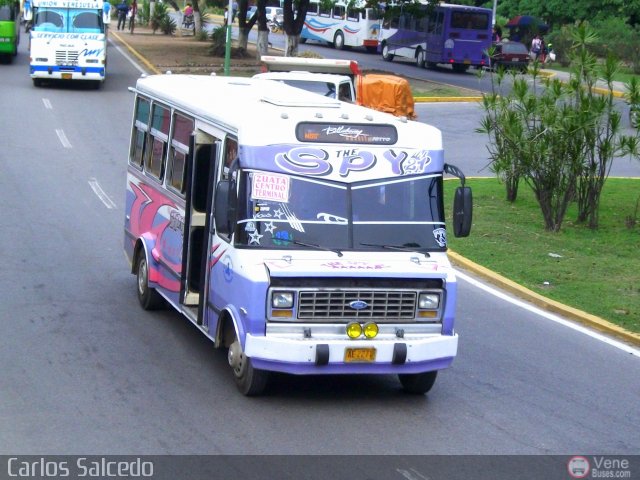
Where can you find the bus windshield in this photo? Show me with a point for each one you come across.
(7, 13)
(68, 20)
(286, 211)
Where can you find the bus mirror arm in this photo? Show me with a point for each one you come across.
(455, 171)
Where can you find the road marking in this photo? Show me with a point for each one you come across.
(63, 138)
(126, 55)
(411, 474)
(104, 198)
(47, 104)
(550, 316)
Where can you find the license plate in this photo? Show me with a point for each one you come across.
(360, 355)
(66, 76)
(467, 61)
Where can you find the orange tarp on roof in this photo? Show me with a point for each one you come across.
(386, 93)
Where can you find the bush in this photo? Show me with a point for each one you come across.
(160, 20)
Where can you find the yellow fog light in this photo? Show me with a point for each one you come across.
(354, 330)
(370, 330)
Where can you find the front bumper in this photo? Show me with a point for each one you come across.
(301, 356)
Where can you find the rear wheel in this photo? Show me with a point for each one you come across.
(148, 297)
(420, 58)
(460, 68)
(386, 55)
(338, 41)
(250, 381)
(418, 383)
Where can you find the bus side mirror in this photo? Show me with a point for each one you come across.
(462, 212)
(221, 205)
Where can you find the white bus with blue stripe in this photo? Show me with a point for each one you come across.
(68, 41)
(303, 234)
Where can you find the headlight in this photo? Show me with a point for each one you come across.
(370, 330)
(354, 330)
(282, 300)
(429, 301)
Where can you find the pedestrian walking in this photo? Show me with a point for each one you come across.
(133, 11)
(122, 10)
(536, 47)
(106, 14)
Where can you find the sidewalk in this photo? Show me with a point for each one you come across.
(619, 88)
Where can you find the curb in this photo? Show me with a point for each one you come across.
(143, 60)
(545, 303)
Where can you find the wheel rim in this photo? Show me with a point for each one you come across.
(385, 51)
(236, 359)
(142, 276)
(339, 41)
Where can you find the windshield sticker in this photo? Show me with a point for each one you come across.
(290, 216)
(440, 235)
(250, 227)
(254, 238)
(270, 186)
(282, 238)
(329, 218)
(270, 228)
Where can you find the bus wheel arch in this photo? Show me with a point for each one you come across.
(338, 40)
(148, 297)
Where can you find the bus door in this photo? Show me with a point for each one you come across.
(200, 182)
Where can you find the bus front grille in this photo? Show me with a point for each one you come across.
(379, 305)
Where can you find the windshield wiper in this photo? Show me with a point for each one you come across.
(402, 248)
(310, 245)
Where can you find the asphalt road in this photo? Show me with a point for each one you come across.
(86, 371)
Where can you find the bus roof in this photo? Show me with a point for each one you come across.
(314, 65)
(259, 109)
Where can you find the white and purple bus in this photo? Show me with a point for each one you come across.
(342, 25)
(430, 34)
(303, 234)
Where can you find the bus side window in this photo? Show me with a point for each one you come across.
(230, 154)
(157, 142)
(179, 149)
(140, 128)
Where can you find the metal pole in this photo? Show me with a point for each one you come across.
(495, 6)
(227, 50)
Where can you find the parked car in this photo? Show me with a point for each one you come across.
(274, 13)
(510, 55)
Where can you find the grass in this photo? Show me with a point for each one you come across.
(624, 75)
(595, 271)
(441, 91)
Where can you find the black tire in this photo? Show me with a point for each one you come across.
(418, 383)
(459, 67)
(338, 41)
(250, 381)
(148, 297)
(385, 53)
(420, 58)
(37, 82)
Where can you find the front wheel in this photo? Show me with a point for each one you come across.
(386, 55)
(250, 381)
(418, 383)
(149, 298)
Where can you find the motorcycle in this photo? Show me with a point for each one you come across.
(275, 25)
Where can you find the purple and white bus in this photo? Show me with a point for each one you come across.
(307, 237)
(432, 34)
